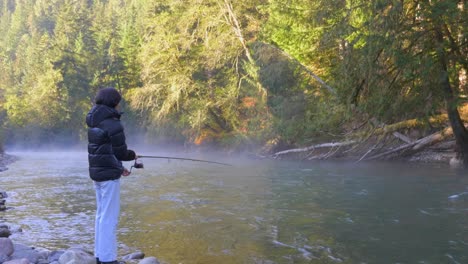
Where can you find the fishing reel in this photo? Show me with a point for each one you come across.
(137, 165)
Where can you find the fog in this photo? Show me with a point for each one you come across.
(139, 144)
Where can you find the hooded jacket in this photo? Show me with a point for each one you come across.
(106, 144)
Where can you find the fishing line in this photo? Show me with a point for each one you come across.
(139, 165)
(178, 158)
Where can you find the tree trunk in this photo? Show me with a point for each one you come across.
(459, 130)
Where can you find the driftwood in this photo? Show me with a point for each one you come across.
(409, 148)
(416, 145)
(327, 155)
(310, 148)
(402, 137)
(379, 143)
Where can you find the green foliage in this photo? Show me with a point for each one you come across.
(57, 54)
(196, 74)
(396, 66)
(227, 72)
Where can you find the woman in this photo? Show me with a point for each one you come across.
(106, 151)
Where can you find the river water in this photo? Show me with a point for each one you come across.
(254, 212)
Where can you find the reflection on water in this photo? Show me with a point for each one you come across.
(254, 212)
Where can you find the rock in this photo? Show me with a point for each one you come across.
(55, 255)
(42, 261)
(149, 260)
(21, 247)
(13, 228)
(5, 232)
(43, 255)
(2, 202)
(3, 258)
(16, 229)
(3, 208)
(3, 194)
(18, 261)
(455, 163)
(22, 251)
(6, 247)
(136, 255)
(76, 256)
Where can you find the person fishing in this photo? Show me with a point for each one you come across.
(106, 151)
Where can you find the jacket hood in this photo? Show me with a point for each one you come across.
(99, 113)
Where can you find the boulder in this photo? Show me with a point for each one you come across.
(43, 255)
(77, 256)
(55, 255)
(136, 255)
(26, 252)
(149, 260)
(3, 258)
(43, 261)
(3, 194)
(5, 232)
(18, 261)
(6, 247)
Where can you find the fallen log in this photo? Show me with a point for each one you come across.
(392, 151)
(313, 147)
(410, 147)
(416, 145)
(402, 137)
(434, 138)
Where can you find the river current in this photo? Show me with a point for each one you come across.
(256, 211)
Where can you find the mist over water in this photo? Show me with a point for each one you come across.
(257, 211)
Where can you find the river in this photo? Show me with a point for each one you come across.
(254, 212)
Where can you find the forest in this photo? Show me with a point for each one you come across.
(260, 75)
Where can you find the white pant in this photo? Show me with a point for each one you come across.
(107, 219)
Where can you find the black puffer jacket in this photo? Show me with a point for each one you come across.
(107, 147)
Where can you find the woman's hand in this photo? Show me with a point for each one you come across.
(125, 172)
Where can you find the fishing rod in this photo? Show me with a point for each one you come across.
(178, 158)
(139, 165)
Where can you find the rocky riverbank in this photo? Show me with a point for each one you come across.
(13, 253)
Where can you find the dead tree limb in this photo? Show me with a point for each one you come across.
(313, 147)
(234, 22)
(417, 145)
(367, 153)
(392, 151)
(402, 137)
(432, 139)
